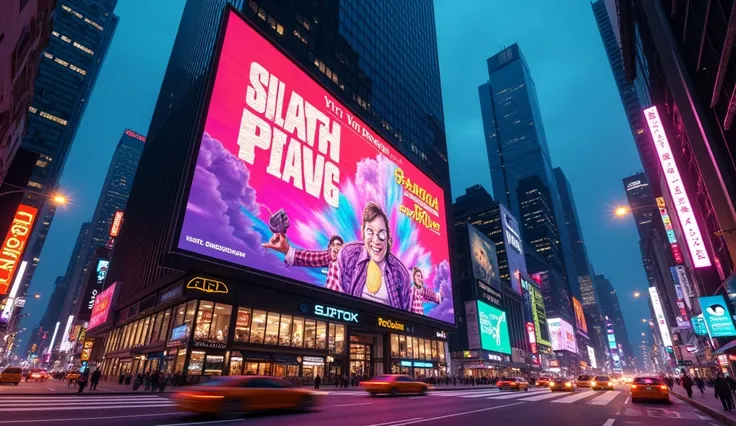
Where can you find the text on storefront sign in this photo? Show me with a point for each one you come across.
(393, 325)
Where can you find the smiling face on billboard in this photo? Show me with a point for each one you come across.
(283, 168)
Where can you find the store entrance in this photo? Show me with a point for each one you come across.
(360, 360)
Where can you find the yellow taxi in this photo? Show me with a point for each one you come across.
(584, 381)
(11, 375)
(649, 388)
(560, 384)
(542, 381)
(231, 397)
(602, 382)
(73, 375)
(394, 384)
(513, 383)
(38, 374)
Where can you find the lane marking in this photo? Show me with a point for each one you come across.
(51, 389)
(447, 416)
(605, 398)
(395, 422)
(608, 422)
(541, 397)
(572, 398)
(513, 396)
(86, 404)
(75, 419)
(211, 422)
(99, 407)
(478, 394)
(628, 398)
(352, 405)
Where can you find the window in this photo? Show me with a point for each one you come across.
(180, 357)
(258, 329)
(339, 339)
(196, 363)
(165, 325)
(310, 332)
(204, 319)
(410, 347)
(242, 325)
(272, 329)
(402, 346)
(321, 335)
(297, 332)
(285, 330)
(220, 327)
(394, 345)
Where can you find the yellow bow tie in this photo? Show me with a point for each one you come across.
(374, 279)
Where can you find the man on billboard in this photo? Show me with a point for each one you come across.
(420, 293)
(311, 259)
(482, 268)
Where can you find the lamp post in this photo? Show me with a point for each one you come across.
(57, 198)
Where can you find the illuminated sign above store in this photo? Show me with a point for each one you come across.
(393, 325)
(676, 252)
(684, 208)
(11, 252)
(661, 320)
(117, 220)
(207, 285)
(334, 313)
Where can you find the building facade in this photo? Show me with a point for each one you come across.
(611, 309)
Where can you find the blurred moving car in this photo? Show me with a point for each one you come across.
(513, 383)
(11, 375)
(649, 388)
(73, 375)
(601, 382)
(584, 381)
(561, 384)
(231, 397)
(543, 381)
(394, 384)
(38, 374)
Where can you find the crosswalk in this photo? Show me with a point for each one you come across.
(10, 404)
(580, 396)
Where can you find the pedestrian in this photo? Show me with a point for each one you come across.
(731, 384)
(82, 381)
(687, 383)
(670, 382)
(146, 381)
(95, 379)
(154, 381)
(701, 385)
(317, 381)
(121, 378)
(723, 392)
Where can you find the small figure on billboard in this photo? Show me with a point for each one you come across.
(421, 294)
(311, 259)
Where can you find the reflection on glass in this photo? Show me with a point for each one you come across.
(410, 348)
(204, 319)
(339, 339)
(165, 326)
(242, 325)
(310, 333)
(220, 323)
(321, 335)
(196, 363)
(258, 327)
(297, 333)
(394, 345)
(272, 329)
(402, 346)
(285, 330)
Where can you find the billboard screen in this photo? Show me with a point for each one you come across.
(582, 325)
(562, 335)
(717, 317)
(94, 286)
(117, 221)
(14, 245)
(289, 182)
(698, 323)
(514, 249)
(591, 356)
(539, 315)
(483, 257)
(664, 330)
(102, 307)
(494, 329)
(685, 212)
(471, 322)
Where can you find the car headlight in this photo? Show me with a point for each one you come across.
(592, 383)
(551, 384)
(568, 384)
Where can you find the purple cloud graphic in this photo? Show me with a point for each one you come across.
(445, 311)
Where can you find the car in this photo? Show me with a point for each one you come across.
(230, 397)
(38, 374)
(542, 381)
(601, 382)
(73, 375)
(649, 388)
(11, 375)
(560, 384)
(584, 381)
(394, 384)
(513, 383)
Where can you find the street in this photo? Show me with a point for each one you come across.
(538, 406)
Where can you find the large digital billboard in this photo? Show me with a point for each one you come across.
(102, 307)
(684, 208)
(717, 317)
(664, 330)
(288, 181)
(581, 324)
(591, 357)
(562, 335)
(514, 249)
(539, 315)
(14, 245)
(494, 329)
(92, 289)
(483, 257)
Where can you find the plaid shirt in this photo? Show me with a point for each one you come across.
(316, 259)
(419, 296)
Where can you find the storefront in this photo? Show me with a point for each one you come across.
(296, 339)
(486, 364)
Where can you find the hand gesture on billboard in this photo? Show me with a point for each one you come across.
(277, 242)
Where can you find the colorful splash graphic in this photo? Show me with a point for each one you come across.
(283, 168)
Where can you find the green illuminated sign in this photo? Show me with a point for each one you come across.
(494, 329)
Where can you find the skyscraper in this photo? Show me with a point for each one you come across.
(81, 34)
(644, 210)
(611, 308)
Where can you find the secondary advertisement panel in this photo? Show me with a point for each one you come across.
(483, 257)
(14, 245)
(471, 322)
(514, 249)
(562, 335)
(494, 329)
(717, 317)
(92, 289)
(102, 307)
(539, 315)
(582, 325)
(591, 356)
(664, 329)
(289, 182)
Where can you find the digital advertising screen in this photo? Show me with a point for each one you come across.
(101, 308)
(591, 356)
(483, 257)
(664, 329)
(581, 324)
(494, 329)
(92, 289)
(717, 317)
(539, 315)
(514, 248)
(288, 181)
(562, 335)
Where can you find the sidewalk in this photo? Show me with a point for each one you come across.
(706, 403)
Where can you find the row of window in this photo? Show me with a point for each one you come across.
(79, 46)
(411, 347)
(48, 116)
(82, 17)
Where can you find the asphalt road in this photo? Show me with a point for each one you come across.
(353, 408)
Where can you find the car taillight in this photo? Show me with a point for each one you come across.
(633, 386)
(200, 395)
(663, 387)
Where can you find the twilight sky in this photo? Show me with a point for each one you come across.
(587, 131)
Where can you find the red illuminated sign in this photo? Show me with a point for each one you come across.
(135, 135)
(101, 309)
(14, 245)
(117, 220)
(531, 332)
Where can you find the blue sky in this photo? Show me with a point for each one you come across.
(587, 131)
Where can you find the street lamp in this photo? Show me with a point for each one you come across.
(637, 294)
(37, 296)
(625, 210)
(643, 320)
(57, 198)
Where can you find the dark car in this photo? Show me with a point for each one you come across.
(560, 384)
(601, 382)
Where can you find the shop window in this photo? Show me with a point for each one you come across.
(321, 335)
(310, 333)
(297, 332)
(434, 350)
(204, 319)
(220, 327)
(149, 331)
(242, 324)
(331, 338)
(441, 351)
(191, 312)
(213, 365)
(402, 346)
(180, 313)
(165, 325)
(146, 330)
(339, 339)
(196, 363)
(410, 348)
(258, 329)
(422, 349)
(156, 329)
(285, 330)
(394, 345)
(272, 329)
(236, 366)
(251, 368)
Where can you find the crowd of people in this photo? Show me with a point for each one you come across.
(724, 387)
